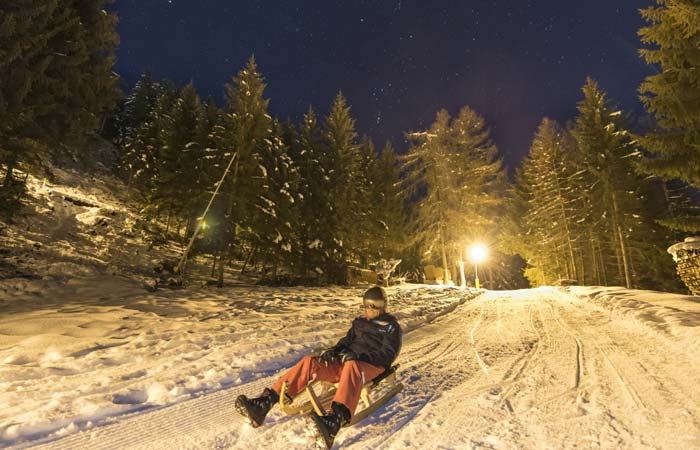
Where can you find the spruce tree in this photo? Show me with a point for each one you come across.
(276, 215)
(673, 95)
(316, 231)
(618, 197)
(340, 136)
(136, 111)
(246, 128)
(368, 226)
(672, 37)
(26, 28)
(142, 152)
(136, 108)
(460, 184)
(426, 166)
(55, 66)
(388, 204)
(178, 190)
(97, 83)
(548, 184)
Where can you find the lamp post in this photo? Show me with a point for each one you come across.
(478, 254)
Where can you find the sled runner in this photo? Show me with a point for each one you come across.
(319, 395)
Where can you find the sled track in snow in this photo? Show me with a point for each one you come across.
(579, 346)
(189, 418)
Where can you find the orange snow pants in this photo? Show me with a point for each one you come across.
(350, 377)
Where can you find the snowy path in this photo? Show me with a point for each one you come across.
(523, 369)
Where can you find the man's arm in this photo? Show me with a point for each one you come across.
(334, 352)
(344, 343)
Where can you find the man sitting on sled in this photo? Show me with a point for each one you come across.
(369, 348)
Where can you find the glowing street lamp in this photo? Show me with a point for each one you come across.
(477, 253)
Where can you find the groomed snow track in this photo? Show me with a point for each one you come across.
(519, 369)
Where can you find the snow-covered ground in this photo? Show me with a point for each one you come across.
(91, 358)
(102, 363)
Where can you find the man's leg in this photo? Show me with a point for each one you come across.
(353, 376)
(307, 369)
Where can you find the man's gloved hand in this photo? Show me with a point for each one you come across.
(348, 356)
(328, 356)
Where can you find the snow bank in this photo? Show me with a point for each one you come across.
(674, 317)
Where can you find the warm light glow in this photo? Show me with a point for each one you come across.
(204, 225)
(478, 253)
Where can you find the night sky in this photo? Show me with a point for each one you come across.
(397, 62)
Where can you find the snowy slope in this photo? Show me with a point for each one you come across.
(541, 368)
(100, 347)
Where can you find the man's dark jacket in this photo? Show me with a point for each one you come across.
(376, 341)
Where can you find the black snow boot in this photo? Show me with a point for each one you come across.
(255, 409)
(329, 424)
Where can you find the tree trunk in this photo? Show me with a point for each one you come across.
(11, 164)
(213, 266)
(623, 246)
(594, 262)
(228, 239)
(603, 265)
(249, 258)
(446, 270)
(222, 263)
(167, 225)
(565, 219)
(628, 281)
(178, 231)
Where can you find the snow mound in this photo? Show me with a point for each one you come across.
(674, 317)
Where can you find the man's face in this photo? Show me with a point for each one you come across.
(371, 313)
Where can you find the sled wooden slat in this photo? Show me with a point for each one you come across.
(361, 415)
(302, 407)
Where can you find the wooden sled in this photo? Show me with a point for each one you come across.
(320, 401)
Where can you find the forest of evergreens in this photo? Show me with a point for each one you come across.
(597, 200)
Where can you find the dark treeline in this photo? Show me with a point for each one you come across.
(308, 198)
(596, 200)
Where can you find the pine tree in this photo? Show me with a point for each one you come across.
(673, 95)
(97, 83)
(178, 187)
(617, 197)
(248, 125)
(276, 216)
(368, 226)
(26, 28)
(143, 148)
(454, 163)
(136, 108)
(426, 166)
(135, 112)
(55, 66)
(548, 184)
(388, 204)
(315, 164)
(340, 136)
